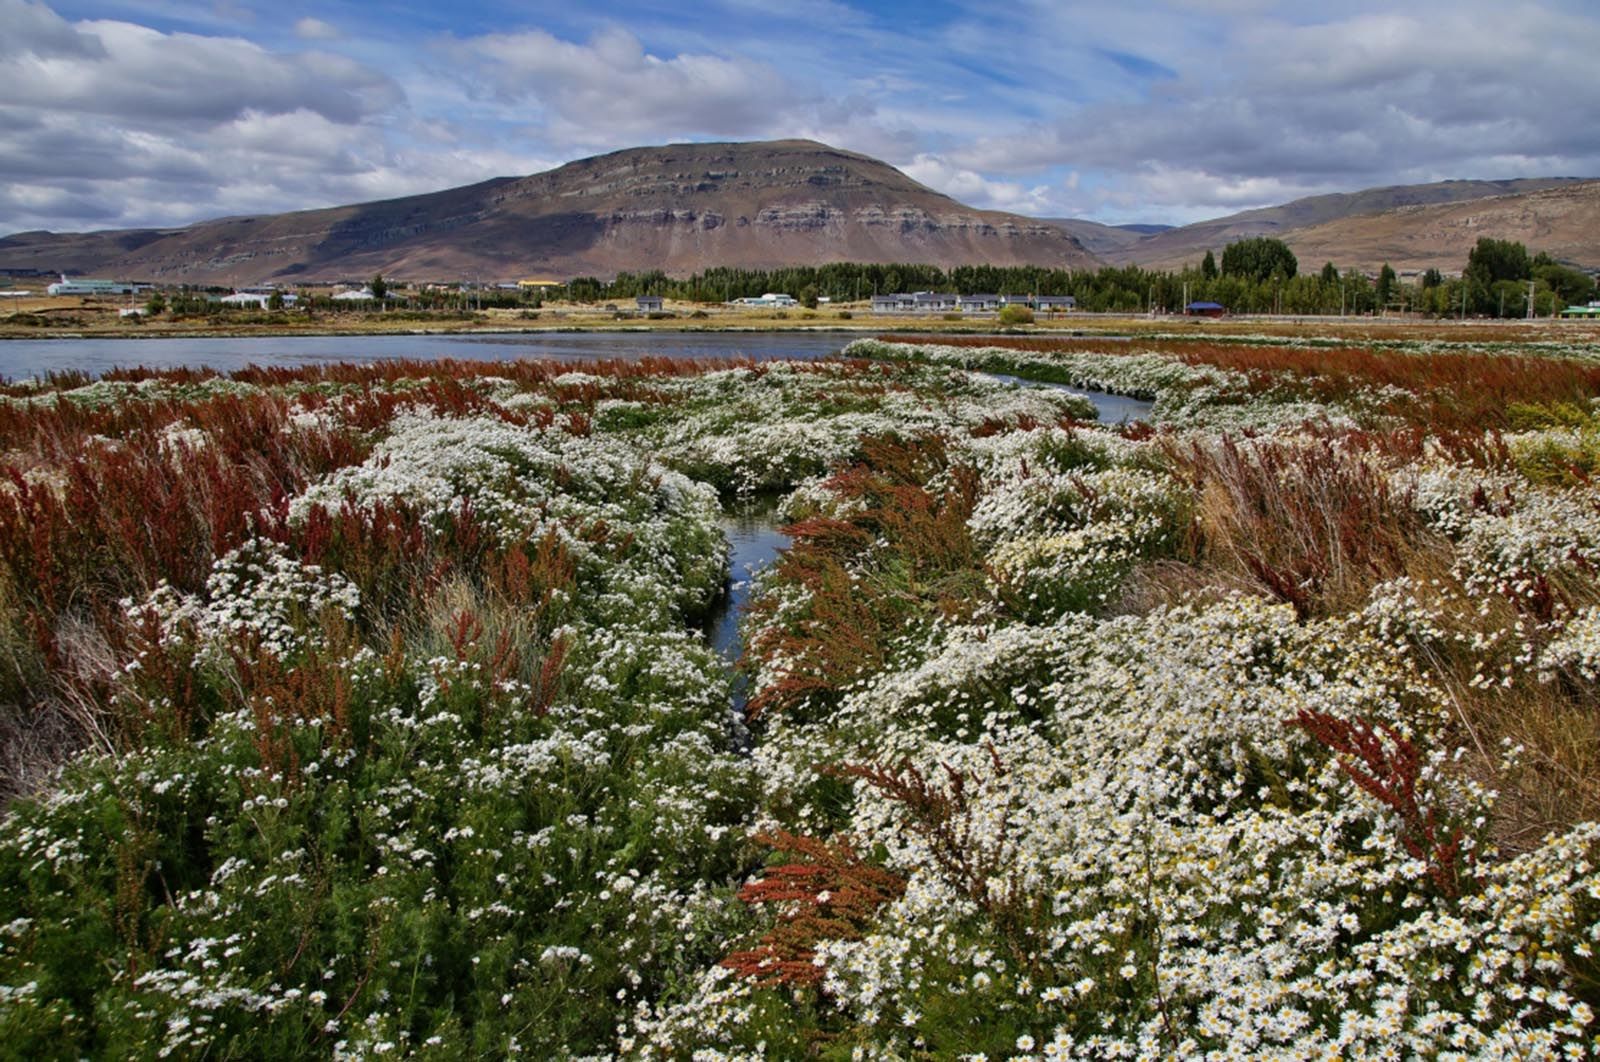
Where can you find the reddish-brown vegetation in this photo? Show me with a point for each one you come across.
(828, 893)
(1388, 767)
(1440, 391)
(853, 608)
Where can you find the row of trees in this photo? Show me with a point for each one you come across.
(1257, 275)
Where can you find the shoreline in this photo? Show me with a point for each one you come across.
(1098, 326)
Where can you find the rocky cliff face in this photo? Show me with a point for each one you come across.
(679, 208)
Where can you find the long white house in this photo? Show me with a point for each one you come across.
(86, 286)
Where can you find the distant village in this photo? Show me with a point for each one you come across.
(144, 299)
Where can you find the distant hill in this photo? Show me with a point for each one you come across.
(679, 208)
(1564, 221)
(1104, 240)
(1393, 219)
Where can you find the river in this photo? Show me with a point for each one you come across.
(21, 358)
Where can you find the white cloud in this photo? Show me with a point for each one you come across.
(32, 29)
(314, 29)
(612, 91)
(112, 122)
(142, 75)
(974, 189)
(1161, 109)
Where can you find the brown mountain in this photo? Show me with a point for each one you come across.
(1401, 224)
(1105, 240)
(678, 208)
(1563, 221)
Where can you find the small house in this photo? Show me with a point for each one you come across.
(978, 303)
(649, 303)
(895, 303)
(1204, 309)
(1055, 303)
(932, 302)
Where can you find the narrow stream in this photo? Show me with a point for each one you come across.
(1112, 409)
(752, 528)
(751, 525)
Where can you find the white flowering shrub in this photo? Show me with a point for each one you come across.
(417, 749)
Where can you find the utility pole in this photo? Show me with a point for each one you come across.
(1530, 300)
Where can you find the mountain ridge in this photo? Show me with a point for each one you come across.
(1187, 244)
(679, 207)
(683, 208)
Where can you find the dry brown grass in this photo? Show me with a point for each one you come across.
(1305, 522)
(1314, 523)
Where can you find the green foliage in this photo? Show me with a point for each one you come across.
(1259, 258)
(1388, 286)
(1208, 266)
(1571, 286)
(275, 301)
(1494, 260)
(155, 304)
(1329, 274)
(379, 286)
(1013, 315)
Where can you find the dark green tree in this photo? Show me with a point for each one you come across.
(808, 296)
(1570, 285)
(155, 304)
(1208, 266)
(379, 286)
(1330, 275)
(1432, 278)
(1388, 285)
(275, 301)
(1258, 258)
(1495, 260)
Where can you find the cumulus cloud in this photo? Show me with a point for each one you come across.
(974, 189)
(1150, 110)
(1366, 98)
(108, 121)
(611, 90)
(139, 74)
(314, 29)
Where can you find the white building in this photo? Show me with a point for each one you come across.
(771, 300)
(86, 286)
(258, 299)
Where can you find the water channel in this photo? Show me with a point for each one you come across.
(20, 358)
(752, 526)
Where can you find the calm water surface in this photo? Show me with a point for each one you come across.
(20, 358)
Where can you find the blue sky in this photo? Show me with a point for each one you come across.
(162, 112)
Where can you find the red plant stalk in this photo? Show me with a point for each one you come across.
(1388, 767)
(830, 893)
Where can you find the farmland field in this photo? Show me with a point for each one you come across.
(368, 710)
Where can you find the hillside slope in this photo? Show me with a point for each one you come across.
(1378, 219)
(678, 208)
